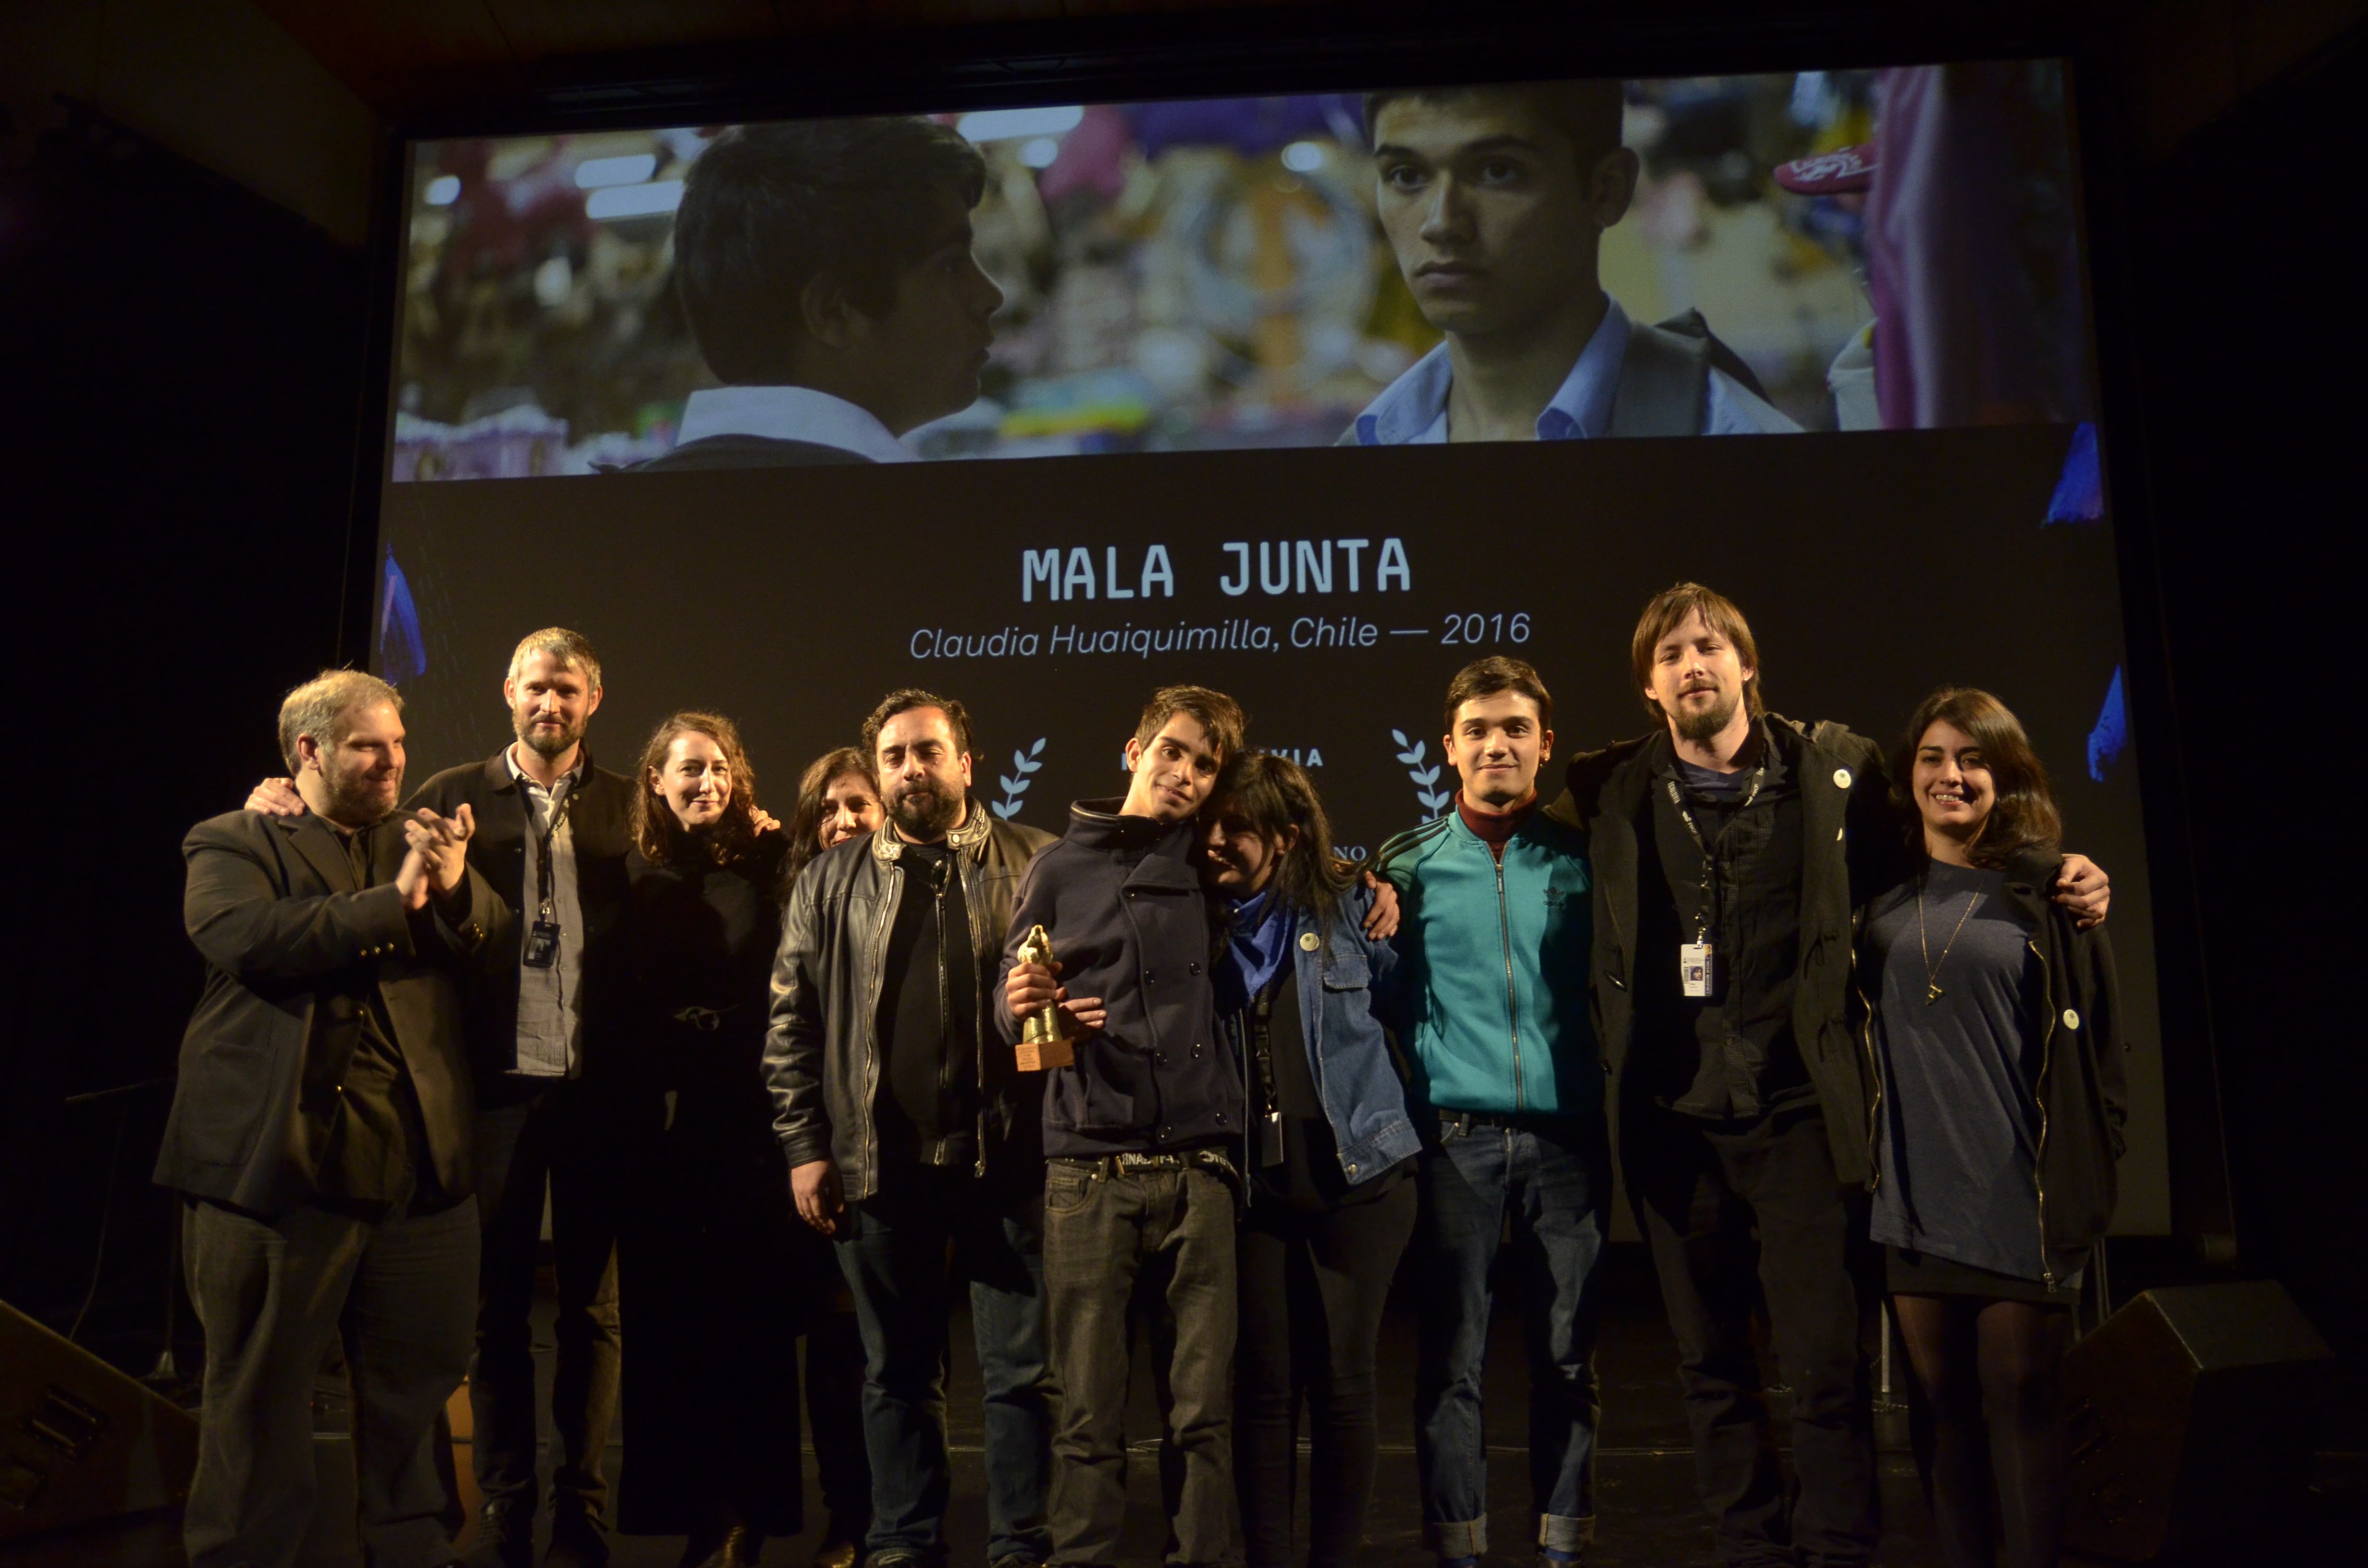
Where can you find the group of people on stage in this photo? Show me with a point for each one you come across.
(1836, 999)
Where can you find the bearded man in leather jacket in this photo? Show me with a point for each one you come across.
(910, 1140)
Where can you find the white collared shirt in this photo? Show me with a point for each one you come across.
(790, 414)
(1412, 410)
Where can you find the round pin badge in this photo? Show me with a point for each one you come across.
(1309, 942)
(1841, 778)
(2071, 1018)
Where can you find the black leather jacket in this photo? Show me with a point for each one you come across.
(822, 1048)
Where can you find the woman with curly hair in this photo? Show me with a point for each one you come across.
(716, 1277)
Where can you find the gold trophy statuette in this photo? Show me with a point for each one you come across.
(1045, 1038)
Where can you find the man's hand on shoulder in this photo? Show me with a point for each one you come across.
(276, 798)
(1382, 920)
(2083, 888)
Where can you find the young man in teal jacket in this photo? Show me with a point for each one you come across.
(1493, 996)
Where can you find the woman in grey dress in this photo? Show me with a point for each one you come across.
(1992, 1019)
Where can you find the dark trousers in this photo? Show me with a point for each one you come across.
(268, 1294)
(834, 1369)
(1313, 1283)
(716, 1279)
(894, 1248)
(1701, 1188)
(574, 1136)
(1550, 1179)
(1172, 1233)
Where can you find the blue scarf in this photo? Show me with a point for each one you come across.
(1257, 944)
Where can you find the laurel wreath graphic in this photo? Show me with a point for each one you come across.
(1425, 779)
(1024, 765)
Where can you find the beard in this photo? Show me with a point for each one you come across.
(1704, 724)
(924, 811)
(357, 799)
(552, 744)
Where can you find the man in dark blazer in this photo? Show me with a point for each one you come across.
(552, 835)
(322, 1134)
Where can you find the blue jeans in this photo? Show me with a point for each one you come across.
(893, 1248)
(1553, 1176)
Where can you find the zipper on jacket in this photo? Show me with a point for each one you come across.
(1512, 994)
(986, 1030)
(945, 995)
(1875, 1071)
(2039, 1103)
(871, 1027)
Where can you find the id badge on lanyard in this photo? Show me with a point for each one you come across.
(1694, 960)
(540, 950)
(1698, 959)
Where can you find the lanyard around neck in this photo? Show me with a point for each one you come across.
(1705, 916)
(563, 798)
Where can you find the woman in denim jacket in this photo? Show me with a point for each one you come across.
(1329, 1195)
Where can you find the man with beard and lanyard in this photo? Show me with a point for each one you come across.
(552, 837)
(1730, 850)
(911, 1141)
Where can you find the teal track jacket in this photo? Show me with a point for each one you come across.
(1491, 996)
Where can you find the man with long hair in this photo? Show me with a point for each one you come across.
(909, 1138)
(1731, 847)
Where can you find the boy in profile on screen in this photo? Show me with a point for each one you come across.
(1495, 200)
(825, 269)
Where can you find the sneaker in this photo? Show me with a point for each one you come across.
(1017, 1560)
(576, 1540)
(504, 1538)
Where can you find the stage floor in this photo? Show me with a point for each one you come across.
(1646, 1511)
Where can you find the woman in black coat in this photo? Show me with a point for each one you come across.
(716, 1278)
(1994, 1026)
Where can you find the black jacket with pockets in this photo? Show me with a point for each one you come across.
(1850, 824)
(1121, 900)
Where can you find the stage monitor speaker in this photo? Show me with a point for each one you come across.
(2191, 1418)
(79, 1441)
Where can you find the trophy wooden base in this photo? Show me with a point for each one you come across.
(1036, 1057)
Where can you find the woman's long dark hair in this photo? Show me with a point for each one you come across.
(1273, 795)
(2024, 816)
(805, 822)
(657, 834)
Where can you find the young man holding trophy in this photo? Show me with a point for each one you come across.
(911, 1138)
(1141, 1123)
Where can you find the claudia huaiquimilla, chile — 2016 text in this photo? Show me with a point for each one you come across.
(1233, 634)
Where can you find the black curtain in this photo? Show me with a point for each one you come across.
(181, 368)
(2251, 319)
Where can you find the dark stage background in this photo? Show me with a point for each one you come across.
(182, 365)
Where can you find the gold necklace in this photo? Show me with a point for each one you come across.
(1931, 970)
